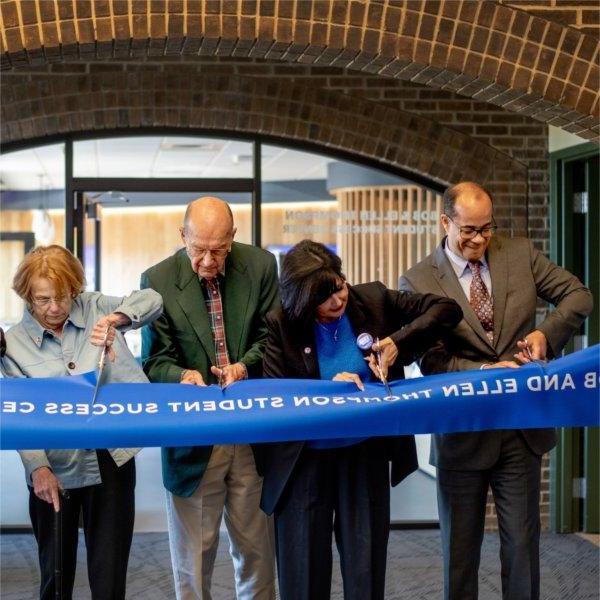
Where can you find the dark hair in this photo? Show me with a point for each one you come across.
(310, 273)
(452, 193)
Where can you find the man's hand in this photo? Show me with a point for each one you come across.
(389, 354)
(533, 347)
(345, 376)
(190, 377)
(503, 364)
(230, 373)
(46, 486)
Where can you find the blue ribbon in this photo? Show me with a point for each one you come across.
(57, 412)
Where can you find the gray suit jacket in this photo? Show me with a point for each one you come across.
(520, 275)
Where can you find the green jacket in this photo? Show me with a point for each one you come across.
(182, 337)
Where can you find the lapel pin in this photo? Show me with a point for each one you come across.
(307, 350)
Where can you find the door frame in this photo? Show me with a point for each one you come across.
(574, 464)
(77, 210)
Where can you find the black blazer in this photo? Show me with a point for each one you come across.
(414, 321)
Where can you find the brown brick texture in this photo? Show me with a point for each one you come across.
(580, 14)
(482, 49)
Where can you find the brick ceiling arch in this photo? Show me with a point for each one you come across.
(484, 50)
(150, 99)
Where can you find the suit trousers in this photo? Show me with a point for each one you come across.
(230, 487)
(108, 513)
(515, 483)
(341, 490)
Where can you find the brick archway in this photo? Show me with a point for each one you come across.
(483, 50)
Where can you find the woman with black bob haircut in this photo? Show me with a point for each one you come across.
(311, 273)
(316, 488)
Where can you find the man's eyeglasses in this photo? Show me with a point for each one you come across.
(200, 253)
(468, 233)
(44, 302)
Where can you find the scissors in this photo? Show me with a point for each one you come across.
(220, 378)
(101, 364)
(530, 355)
(380, 369)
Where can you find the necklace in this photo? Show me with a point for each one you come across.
(331, 328)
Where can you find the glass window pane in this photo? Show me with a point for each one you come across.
(378, 223)
(32, 212)
(296, 203)
(162, 156)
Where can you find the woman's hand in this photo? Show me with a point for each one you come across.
(46, 486)
(350, 377)
(104, 331)
(389, 354)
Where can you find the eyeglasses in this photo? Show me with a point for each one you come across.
(200, 253)
(44, 301)
(468, 233)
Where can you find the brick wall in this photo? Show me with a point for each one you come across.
(583, 15)
(485, 50)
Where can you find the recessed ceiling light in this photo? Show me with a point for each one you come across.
(236, 159)
(187, 146)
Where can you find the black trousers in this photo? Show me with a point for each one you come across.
(515, 483)
(341, 490)
(108, 514)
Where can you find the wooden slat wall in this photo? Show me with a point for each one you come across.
(383, 231)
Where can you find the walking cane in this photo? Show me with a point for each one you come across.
(58, 546)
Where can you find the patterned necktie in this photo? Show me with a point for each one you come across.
(214, 305)
(480, 301)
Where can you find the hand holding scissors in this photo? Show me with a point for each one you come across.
(532, 348)
(102, 360)
(230, 373)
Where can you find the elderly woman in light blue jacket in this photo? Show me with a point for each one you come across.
(61, 333)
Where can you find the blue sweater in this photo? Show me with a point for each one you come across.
(337, 352)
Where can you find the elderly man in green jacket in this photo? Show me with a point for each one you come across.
(216, 293)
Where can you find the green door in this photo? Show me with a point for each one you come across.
(575, 245)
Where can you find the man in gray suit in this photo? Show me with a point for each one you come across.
(497, 282)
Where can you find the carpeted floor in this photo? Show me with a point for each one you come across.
(569, 566)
